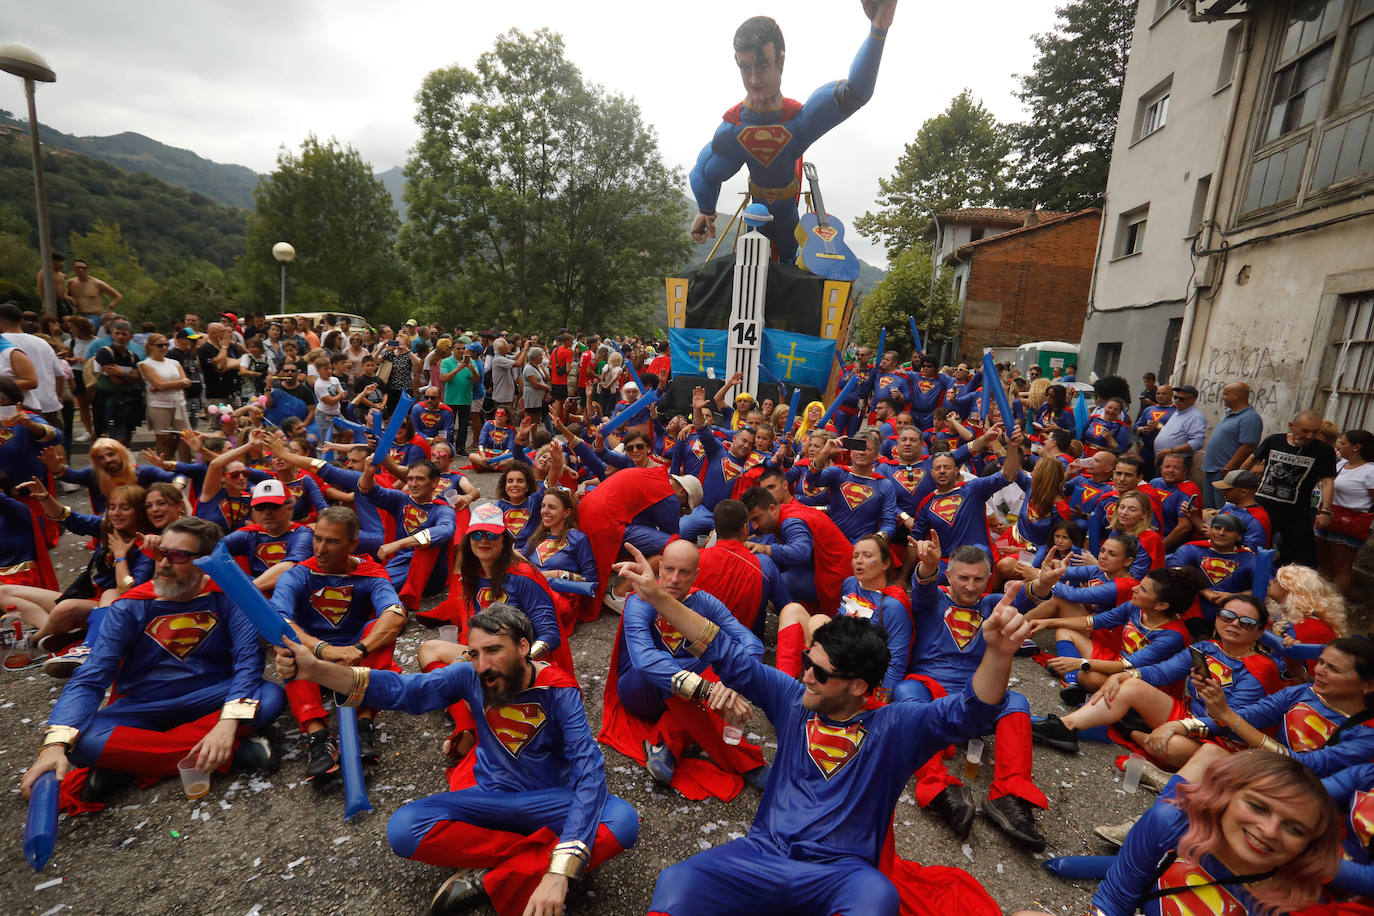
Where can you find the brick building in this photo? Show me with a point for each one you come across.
(1025, 284)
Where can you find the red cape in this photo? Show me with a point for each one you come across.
(831, 555)
(730, 571)
(366, 567)
(607, 509)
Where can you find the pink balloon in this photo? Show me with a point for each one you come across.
(212, 409)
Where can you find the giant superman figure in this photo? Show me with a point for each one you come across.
(769, 133)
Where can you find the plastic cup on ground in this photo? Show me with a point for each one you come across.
(193, 781)
(973, 759)
(1135, 765)
(449, 633)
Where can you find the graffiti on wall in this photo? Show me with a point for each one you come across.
(1253, 365)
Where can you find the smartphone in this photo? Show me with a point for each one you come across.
(854, 444)
(1199, 662)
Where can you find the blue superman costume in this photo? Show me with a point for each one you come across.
(772, 142)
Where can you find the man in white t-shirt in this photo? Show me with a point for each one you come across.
(43, 399)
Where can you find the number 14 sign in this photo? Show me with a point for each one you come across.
(746, 307)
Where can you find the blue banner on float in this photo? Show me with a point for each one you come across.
(696, 350)
(797, 359)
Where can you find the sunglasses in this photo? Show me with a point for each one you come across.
(637, 447)
(237, 475)
(821, 674)
(1248, 623)
(174, 556)
(485, 535)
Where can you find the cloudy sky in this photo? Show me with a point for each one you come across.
(234, 81)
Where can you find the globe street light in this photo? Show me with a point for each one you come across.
(283, 252)
(30, 67)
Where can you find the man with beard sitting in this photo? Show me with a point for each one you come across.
(190, 680)
(535, 812)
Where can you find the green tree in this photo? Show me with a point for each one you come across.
(199, 287)
(903, 294)
(327, 203)
(1073, 92)
(535, 198)
(958, 159)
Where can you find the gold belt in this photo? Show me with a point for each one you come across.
(16, 569)
(768, 195)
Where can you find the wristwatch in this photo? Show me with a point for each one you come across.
(361, 648)
(1085, 665)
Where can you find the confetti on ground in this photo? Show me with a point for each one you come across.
(57, 909)
(295, 863)
(968, 852)
(340, 840)
(47, 884)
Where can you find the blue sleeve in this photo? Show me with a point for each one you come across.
(1169, 670)
(146, 474)
(246, 680)
(415, 417)
(84, 477)
(709, 444)
(897, 622)
(1354, 878)
(1251, 426)
(717, 162)
(540, 611)
(1355, 746)
(1137, 865)
(300, 546)
(1113, 618)
(1187, 555)
(1265, 712)
(1097, 528)
(441, 525)
(646, 656)
(586, 767)
(774, 588)
(797, 546)
(81, 523)
(421, 693)
(612, 458)
(345, 479)
(384, 497)
(1040, 555)
(1165, 644)
(484, 440)
(777, 694)
(1140, 566)
(1105, 593)
(141, 566)
(287, 593)
(383, 595)
(887, 492)
(119, 630)
(313, 495)
(594, 465)
(1343, 785)
(237, 542)
(586, 563)
(830, 476)
(1123, 437)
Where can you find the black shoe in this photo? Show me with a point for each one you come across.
(460, 893)
(757, 778)
(1131, 722)
(101, 784)
(1013, 816)
(323, 754)
(1073, 695)
(367, 748)
(955, 805)
(1054, 733)
(256, 753)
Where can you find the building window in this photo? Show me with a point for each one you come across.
(1162, 7)
(1200, 192)
(1153, 109)
(1348, 369)
(958, 288)
(1130, 233)
(976, 233)
(1227, 71)
(1321, 104)
(1166, 362)
(1107, 359)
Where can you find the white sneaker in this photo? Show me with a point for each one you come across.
(64, 666)
(66, 487)
(82, 437)
(615, 603)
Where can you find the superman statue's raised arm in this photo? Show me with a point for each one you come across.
(770, 134)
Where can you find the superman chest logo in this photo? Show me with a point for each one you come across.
(1110, 511)
(6, 434)
(1098, 430)
(234, 511)
(697, 448)
(910, 478)
(857, 606)
(332, 602)
(429, 418)
(295, 492)
(180, 634)
(764, 141)
(833, 746)
(546, 549)
(1200, 896)
(413, 518)
(946, 507)
(1131, 639)
(730, 468)
(498, 436)
(809, 490)
(515, 520)
(887, 381)
(926, 386)
(1305, 728)
(1362, 817)
(516, 724)
(855, 494)
(270, 553)
(1217, 568)
(668, 634)
(1220, 670)
(486, 595)
(963, 624)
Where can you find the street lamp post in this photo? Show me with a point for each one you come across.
(30, 67)
(284, 253)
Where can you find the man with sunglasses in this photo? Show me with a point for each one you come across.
(650, 715)
(421, 529)
(190, 680)
(431, 417)
(815, 843)
(272, 542)
(344, 610)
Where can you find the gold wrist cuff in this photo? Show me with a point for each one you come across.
(318, 463)
(239, 709)
(422, 537)
(539, 649)
(569, 859)
(396, 609)
(1126, 665)
(690, 686)
(361, 678)
(1269, 744)
(883, 695)
(708, 633)
(1090, 621)
(1194, 727)
(64, 735)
